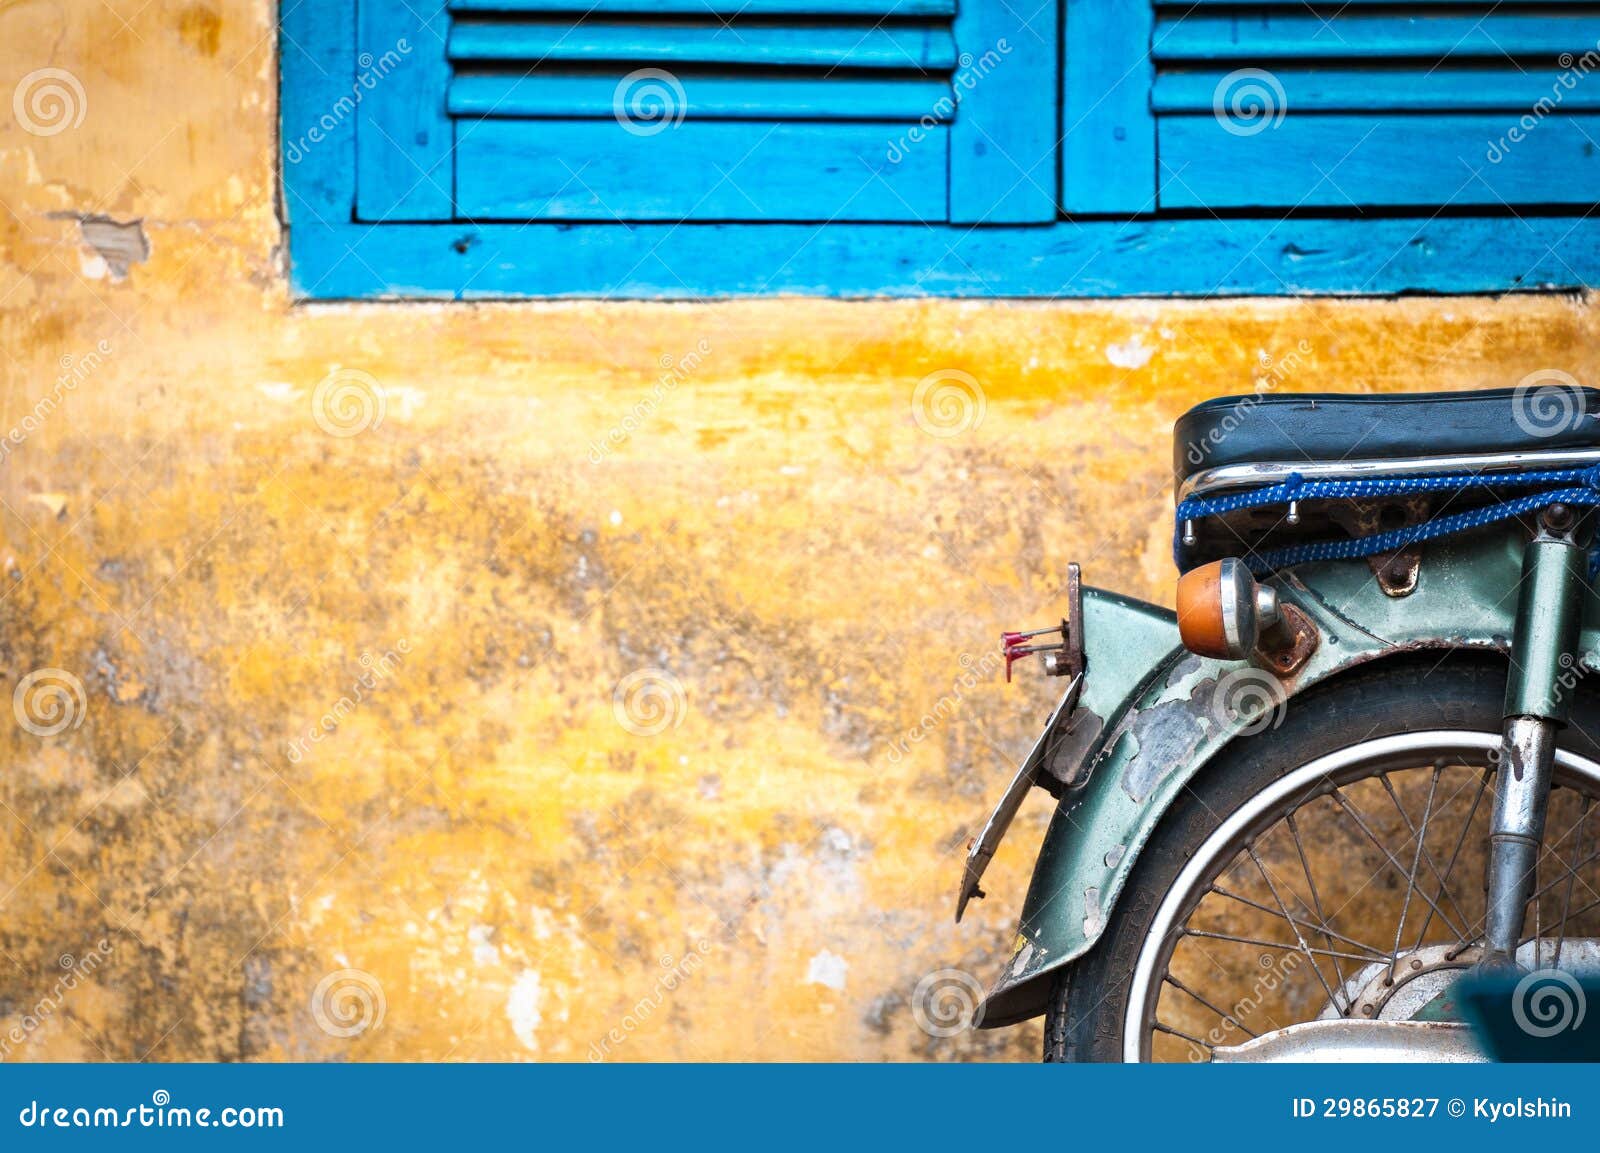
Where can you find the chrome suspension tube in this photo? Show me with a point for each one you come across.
(1544, 653)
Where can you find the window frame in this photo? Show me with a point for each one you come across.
(334, 257)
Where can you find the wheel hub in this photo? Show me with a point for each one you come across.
(1418, 978)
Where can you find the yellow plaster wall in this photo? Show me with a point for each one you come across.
(813, 580)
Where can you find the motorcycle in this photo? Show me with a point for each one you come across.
(1353, 771)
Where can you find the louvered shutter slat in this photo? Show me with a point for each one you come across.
(1374, 106)
(1491, 31)
(728, 8)
(705, 98)
(925, 48)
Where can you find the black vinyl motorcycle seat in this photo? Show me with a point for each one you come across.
(1287, 428)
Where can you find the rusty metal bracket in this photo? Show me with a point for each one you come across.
(1291, 641)
(1396, 572)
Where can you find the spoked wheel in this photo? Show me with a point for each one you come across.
(1331, 870)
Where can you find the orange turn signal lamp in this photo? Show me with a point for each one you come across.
(1223, 612)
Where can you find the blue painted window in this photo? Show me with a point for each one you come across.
(689, 148)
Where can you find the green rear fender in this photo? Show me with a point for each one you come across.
(1159, 714)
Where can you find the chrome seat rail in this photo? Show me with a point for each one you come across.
(1231, 477)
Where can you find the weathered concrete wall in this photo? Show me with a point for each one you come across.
(486, 521)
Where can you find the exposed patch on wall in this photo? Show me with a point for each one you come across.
(115, 246)
(1130, 354)
(827, 969)
(524, 1008)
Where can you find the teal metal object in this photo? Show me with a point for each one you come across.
(1554, 583)
(1180, 716)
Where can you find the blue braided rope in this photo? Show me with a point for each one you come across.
(1581, 487)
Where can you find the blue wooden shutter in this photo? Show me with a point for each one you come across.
(1108, 152)
(709, 110)
(1372, 104)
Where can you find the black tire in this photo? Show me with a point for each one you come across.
(1088, 1004)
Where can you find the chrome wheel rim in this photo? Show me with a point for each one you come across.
(1287, 796)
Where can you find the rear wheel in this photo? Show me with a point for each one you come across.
(1331, 867)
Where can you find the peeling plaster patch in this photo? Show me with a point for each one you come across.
(523, 1008)
(117, 246)
(1130, 353)
(484, 951)
(54, 502)
(827, 969)
(404, 400)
